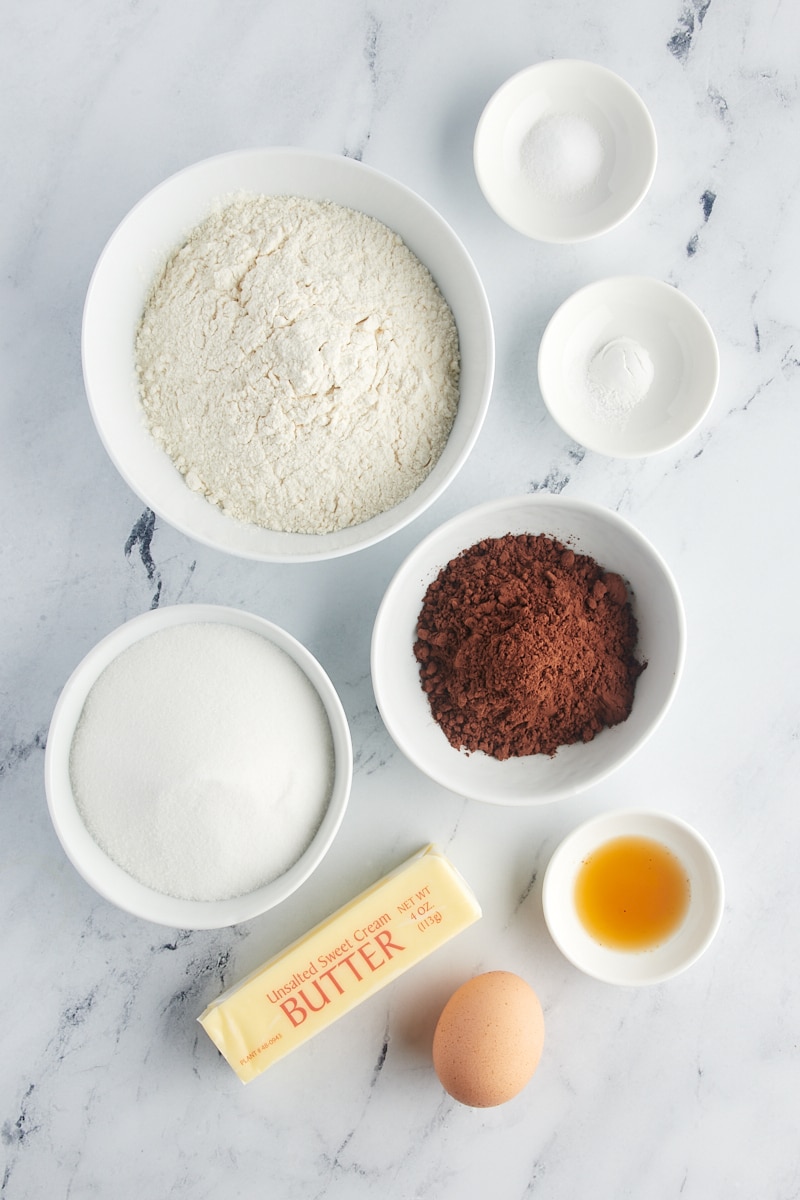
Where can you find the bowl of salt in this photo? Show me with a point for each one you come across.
(565, 150)
(628, 366)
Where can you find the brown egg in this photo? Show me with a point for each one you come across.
(488, 1039)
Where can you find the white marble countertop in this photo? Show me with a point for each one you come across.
(108, 1086)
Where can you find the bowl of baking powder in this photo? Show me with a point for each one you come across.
(288, 355)
(527, 648)
(628, 366)
(198, 766)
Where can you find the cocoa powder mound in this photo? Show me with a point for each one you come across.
(525, 646)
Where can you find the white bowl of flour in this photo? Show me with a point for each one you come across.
(198, 766)
(302, 397)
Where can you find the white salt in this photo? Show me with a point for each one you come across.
(562, 155)
(202, 763)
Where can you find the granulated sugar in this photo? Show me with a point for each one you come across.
(561, 155)
(202, 763)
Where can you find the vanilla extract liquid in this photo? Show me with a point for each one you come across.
(631, 893)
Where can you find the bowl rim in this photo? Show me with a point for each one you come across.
(315, 548)
(560, 873)
(87, 857)
(685, 309)
(418, 562)
(540, 70)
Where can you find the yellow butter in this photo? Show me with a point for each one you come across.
(344, 960)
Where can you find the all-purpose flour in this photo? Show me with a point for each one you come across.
(298, 364)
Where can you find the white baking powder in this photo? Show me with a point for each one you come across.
(298, 364)
(202, 763)
(619, 375)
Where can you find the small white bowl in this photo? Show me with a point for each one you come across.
(125, 273)
(690, 940)
(535, 779)
(665, 329)
(104, 875)
(565, 150)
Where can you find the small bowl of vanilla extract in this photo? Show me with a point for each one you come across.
(633, 898)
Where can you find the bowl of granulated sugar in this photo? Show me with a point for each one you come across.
(198, 766)
(288, 355)
(565, 150)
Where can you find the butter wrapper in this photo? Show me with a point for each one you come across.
(340, 963)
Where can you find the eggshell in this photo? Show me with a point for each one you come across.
(488, 1039)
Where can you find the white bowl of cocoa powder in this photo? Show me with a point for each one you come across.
(527, 648)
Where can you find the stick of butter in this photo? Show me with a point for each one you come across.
(346, 959)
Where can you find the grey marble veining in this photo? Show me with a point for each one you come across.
(108, 1086)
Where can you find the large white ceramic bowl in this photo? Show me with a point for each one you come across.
(104, 875)
(536, 779)
(125, 273)
(669, 333)
(675, 954)
(590, 129)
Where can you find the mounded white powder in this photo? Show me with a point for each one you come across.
(202, 763)
(298, 364)
(561, 155)
(618, 377)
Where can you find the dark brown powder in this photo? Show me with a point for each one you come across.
(525, 646)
